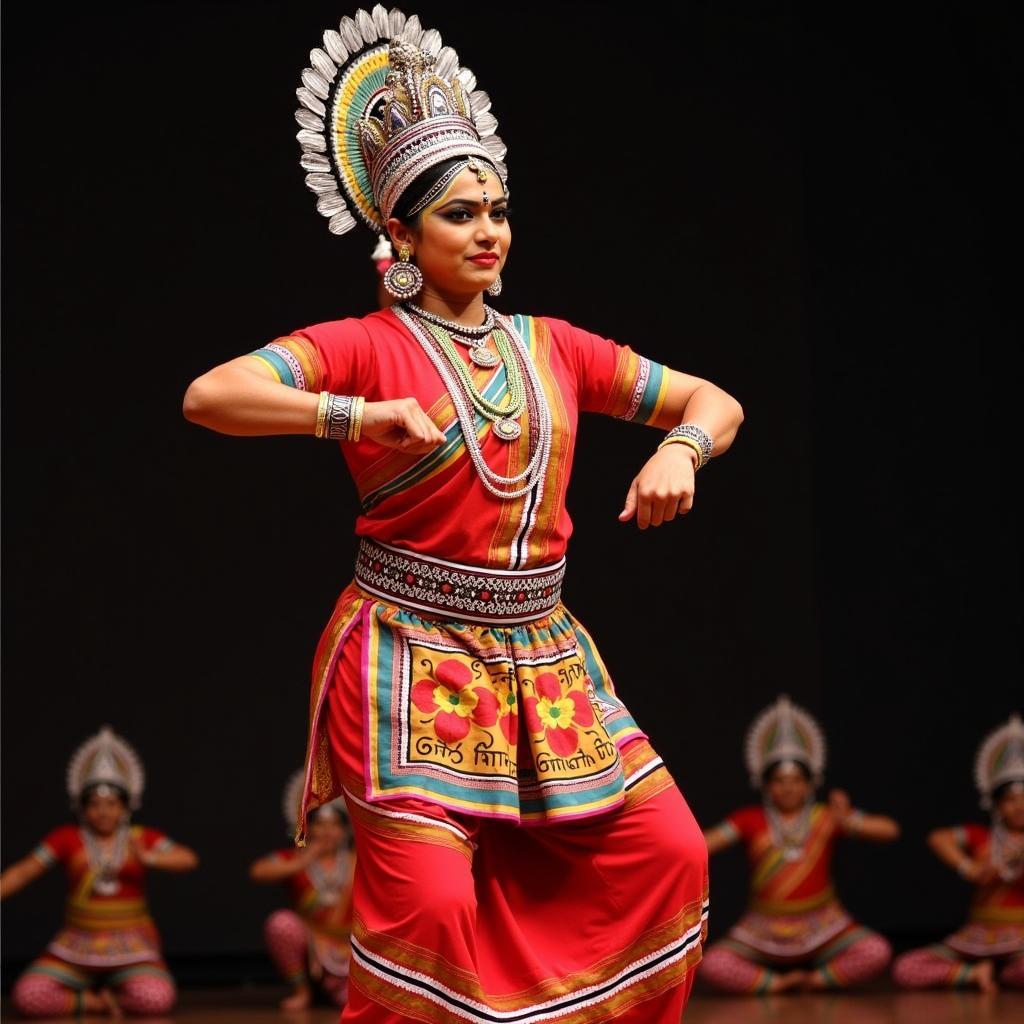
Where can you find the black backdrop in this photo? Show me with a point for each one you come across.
(813, 212)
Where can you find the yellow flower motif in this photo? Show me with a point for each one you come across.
(556, 714)
(460, 702)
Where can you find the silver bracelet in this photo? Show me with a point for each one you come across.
(696, 434)
(339, 417)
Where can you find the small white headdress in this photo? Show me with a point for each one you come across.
(784, 732)
(106, 758)
(292, 798)
(1000, 759)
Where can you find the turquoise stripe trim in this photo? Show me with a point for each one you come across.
(283, 369)
(624, 721)
(65, 978)
(651, 392)
(566, 801)
(494, 392)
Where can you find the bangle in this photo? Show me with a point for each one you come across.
(689, 443)
(321, 413)
(694, 436)
(357, 418)
(854, 820)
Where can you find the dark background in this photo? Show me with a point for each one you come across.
(815, 211)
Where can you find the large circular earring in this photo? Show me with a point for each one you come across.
(494, 288)
(403, 279)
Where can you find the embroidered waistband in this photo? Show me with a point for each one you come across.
(466, 593)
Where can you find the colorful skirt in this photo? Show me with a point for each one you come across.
(988, 938)
(523, 855)
(775, 938)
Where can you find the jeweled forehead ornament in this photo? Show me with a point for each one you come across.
(383, 101)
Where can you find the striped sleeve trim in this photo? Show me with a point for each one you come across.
(728, 830)
(162, 845)
(638, 388)
(293, 361)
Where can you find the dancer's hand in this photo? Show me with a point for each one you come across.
(402, 424)
(840, 805)
(980, 871)
(663, 489)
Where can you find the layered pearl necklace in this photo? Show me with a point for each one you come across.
(525, 390)
(474, 338)
(328, 881)
(106, 864)
(1006, 852)
(789, 838)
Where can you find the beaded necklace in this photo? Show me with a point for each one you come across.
(474, 338)
(789, 838)
(105, 866)
(1006, 852)
(328, 881)
(540, 444)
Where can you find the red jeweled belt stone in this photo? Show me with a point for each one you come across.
(458, 592)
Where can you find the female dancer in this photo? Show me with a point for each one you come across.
(795, 933)
(109, 939)
(522, 851)
(993, 860)
(310, 942)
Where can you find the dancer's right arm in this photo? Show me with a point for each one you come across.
(719, 837)
(241, 397)
(18, 875)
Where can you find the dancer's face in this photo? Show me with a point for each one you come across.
(328, 831)
(462, 241)
(788, 788)
(103, 812)
(1011, 808)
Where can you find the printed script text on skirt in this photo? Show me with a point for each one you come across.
(479, 917)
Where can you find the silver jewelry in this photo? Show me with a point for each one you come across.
(494, 288)
(453, 326)
(338, 424)
(403, 280)
(504, 487)
(1006, 852)
(788, 838)
(106, 867)
(697, 434)
(474, 338)
(328, 882)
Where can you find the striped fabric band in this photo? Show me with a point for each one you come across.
(293, 361)
(462, 1008)
(461, 593)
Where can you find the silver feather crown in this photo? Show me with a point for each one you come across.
(106, 757)
(1000, 759)
(382, 101)
(784, 732)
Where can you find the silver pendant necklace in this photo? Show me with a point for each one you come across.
(474, 338)
(106, 866)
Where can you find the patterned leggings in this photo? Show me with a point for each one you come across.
(841, 964)
(52, 988)
(941, 967)
(287, 940)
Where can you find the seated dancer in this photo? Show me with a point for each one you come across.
(795, 933)
(993, 860)
(310, 942)
(107, 957)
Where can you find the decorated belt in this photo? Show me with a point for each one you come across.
(458, 592)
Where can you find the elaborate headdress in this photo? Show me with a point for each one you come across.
(1000, 759)
(784, 732)
(382, 102)
(292, 798)
(106, 758)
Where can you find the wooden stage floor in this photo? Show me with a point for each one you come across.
(258, 1006)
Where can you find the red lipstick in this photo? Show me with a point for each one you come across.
(484, 259)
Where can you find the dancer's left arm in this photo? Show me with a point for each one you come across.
(876, 827)
(20, 874)
(664, 488)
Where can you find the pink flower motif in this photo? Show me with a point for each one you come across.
(456, 703)
(556, 711)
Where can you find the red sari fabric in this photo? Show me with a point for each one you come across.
(598, 910)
